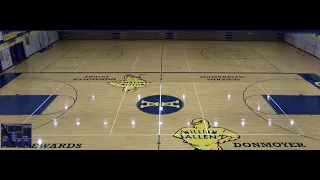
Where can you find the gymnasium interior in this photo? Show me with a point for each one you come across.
(159, 90)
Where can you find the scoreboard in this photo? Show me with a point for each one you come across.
(16, 135)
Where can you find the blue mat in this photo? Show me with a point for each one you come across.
(24, 104)
(312, 79)
(6, 78)
(294, 104)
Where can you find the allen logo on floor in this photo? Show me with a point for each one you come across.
(130, 83)
(160, 105)
(204, 137)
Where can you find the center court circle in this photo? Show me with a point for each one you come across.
(167, 104)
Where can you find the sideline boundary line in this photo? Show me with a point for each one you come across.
(107, 134)
(155, 72)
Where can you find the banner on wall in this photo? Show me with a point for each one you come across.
(20, 37)
(9, 35)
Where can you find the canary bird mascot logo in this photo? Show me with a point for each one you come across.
(204, 137)
(130, 83)
(317, 83)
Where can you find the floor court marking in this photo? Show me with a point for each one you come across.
(96, 49)
(159, 121)
(134, 65)
(71, 82)
(262, 57)
(162, 83)
(271, 98)
(280, 108)
(195, 90)
(106, 134)
(66, 110)
(43, 103)
(61, 56)
(217, 61)
(106, 57)
(87, 58)
(84, 57)
(165, 72)
(160, 108)
(124, 93)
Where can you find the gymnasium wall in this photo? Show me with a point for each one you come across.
(35, 43)
(309, 43)
(16, 46)
(213, 36)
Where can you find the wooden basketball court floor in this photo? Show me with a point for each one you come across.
(167, 95)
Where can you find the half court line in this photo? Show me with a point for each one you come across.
(160, 100)
(271, 98)
(160, 109)
(124, 93)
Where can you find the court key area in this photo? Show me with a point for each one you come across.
(166, 95)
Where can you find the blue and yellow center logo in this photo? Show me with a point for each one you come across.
(156, 105)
